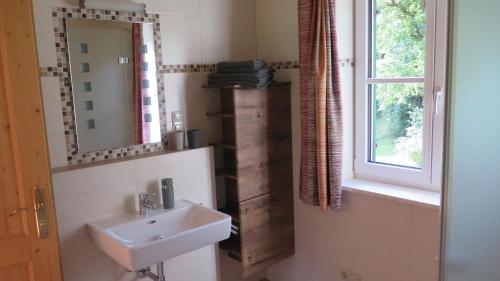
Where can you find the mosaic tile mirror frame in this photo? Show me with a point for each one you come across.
(62, 70)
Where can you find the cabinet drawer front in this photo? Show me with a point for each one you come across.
(263, 141)
(267, 232)
(263, 176)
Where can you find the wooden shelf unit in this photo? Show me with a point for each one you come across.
(226, 174)
(220, 114)
(256, 149)
(223, 144)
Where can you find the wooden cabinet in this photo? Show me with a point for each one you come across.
(266, 230)
(256, 149)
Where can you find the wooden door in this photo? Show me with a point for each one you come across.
(24, 164)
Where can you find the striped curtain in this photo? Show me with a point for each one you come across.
(321, 105)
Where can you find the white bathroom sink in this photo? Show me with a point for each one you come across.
(137, 242)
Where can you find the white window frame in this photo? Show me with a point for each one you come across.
(429, 176)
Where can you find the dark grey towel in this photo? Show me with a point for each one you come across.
(245, 83)
(246, 79)
(240, 66)
(254, 76)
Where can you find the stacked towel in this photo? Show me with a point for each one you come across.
(252, 74)
(240, 66)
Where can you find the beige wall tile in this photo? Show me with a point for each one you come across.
(174, 7)
(87, 194)
(52, 106)
(224, 39)
(57, 150)
(228, 9)
(45, 35)
(181, 39)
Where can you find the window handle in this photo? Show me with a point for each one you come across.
(437, 98)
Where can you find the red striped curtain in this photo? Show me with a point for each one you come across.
(321, 105)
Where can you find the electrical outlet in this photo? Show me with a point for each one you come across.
(347, 274)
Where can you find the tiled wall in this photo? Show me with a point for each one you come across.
(199, 32)
(86, 194)
(380, 238)
(193, 32)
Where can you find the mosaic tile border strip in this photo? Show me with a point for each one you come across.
(180, 68)
(59, 15)
(187, 68)
(279, 65)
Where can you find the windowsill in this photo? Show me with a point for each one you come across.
(400, 193)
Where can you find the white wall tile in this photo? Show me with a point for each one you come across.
(87, 194)
(277, 30)
(57, 150)
(228, 9)
(231, 270)
(224, 39)
(369, 239)
(277, 9)
(53, 117)
(192, 171)
(174, 7)
(377, 208)
(74, 213)
(175, 92)
(45, 35)
(181, 39)
(195, 265)
(425, 241)
(345, 28)
(57, 3)
(345, 47)
(199, 101)
(90, 181)
(51, 89)
(293, 76)
(184, 92)
(52, 105)
(91, 265)
(346, 87)
(275, 45)
(308, 220)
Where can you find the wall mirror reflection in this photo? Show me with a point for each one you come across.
(113, 76)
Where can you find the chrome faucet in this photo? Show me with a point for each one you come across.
(146, 203)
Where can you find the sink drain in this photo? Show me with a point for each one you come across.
(157, 237)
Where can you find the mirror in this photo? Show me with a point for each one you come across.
(114, 83)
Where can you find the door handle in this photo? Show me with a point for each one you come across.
(15, 211)
(40, 210)
(437, 98)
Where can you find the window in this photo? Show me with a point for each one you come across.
(400, 70)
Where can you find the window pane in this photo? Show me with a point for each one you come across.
(397, 39)
(397, 115)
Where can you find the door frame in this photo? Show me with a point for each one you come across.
(29, 257)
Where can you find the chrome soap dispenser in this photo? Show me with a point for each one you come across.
(167, 193)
